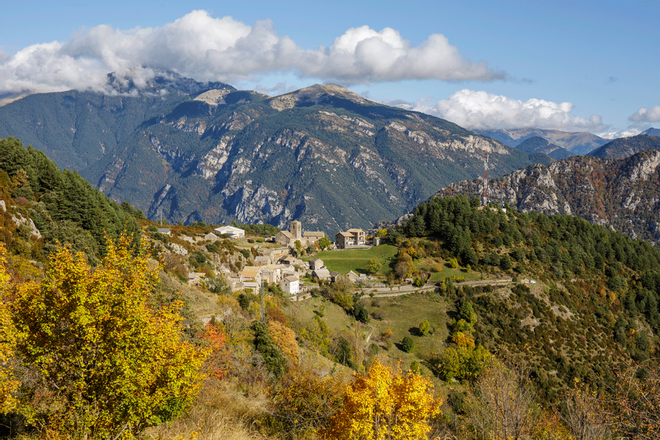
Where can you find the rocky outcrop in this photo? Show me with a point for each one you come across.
(623, 194)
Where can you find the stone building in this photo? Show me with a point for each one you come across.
(296, 233)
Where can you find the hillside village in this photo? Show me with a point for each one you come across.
(276, 260)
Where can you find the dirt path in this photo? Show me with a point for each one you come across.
(407, 289)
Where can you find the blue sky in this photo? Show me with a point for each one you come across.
(573, 66)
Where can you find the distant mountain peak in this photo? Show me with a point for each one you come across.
(575, 142)
(652, 132)
(134, 83)
(316, 94)
(624, 147)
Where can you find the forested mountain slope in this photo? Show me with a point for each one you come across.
(50, 207)
(623, 194)
(584, 298)
(625, 147)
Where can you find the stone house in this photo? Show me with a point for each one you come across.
(290, 284)
(296, 233)
(321, 274)
(315, 263)
(352, 237)
(211, 237)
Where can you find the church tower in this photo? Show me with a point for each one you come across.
(295, 227)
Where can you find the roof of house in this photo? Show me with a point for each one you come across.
(250, 271)
(287, 234)
(345, 234)
(229, 230)
(291, 278)
(313, 234)
(356, 230)
(321, 273)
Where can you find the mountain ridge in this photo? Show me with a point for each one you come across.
(322, 154)
(620, 193)
(575, 142)
(624, 147)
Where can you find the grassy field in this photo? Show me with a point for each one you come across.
(402, 315)
(431, 265)
(357, 259)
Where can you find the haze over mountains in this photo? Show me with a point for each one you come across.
(576, 143)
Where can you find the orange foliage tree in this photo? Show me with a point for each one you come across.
(106, 364)
(219, 354)
(385, 404)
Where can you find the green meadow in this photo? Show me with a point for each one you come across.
(357, 260)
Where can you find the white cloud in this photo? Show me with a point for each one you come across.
(206, 48)
(482, 110)
(620, 134)
(647, 114)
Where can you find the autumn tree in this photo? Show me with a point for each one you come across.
(324, 243)
(8, 384)
(106, 363)
(374, 265)
(585, 415)
(285, 340)
(463, 359)
(218, 352)
(385, 404)
(501, 404)
(635, 407)
(425, 327)
(304, 400)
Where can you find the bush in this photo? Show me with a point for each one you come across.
(407, 344)
(425, 327)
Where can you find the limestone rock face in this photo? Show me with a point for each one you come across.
(187, 151)
(623, 194)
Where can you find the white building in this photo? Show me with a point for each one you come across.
(290, 285)
(233, 232)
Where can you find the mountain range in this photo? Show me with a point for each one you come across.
(537, 144)
(188, 151)
(576, 143)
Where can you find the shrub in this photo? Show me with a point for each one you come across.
(407, 344)
(425, 327)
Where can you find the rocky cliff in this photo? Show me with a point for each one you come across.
(623, 194)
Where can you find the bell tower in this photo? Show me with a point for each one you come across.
(295, 227)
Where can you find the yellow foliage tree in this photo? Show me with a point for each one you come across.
(8, 384)
(108, 364)
(285, 340)
(385, 404)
